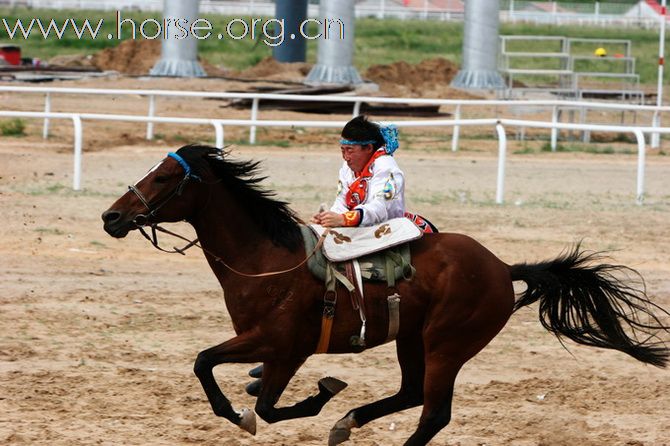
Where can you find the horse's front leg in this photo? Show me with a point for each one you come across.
(246, 347)
(276, 376)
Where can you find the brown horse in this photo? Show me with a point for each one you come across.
(460, 297)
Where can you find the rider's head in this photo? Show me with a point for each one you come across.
(360, 139)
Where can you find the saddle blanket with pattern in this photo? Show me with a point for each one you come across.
(342, 244)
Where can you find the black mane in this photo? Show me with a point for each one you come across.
(274, 217)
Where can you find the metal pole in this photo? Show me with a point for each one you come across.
(179, 54)
(335, 48)
(152, 112)
(357, 108)
(655, 137)
(457, 129)
(640, 166)
(47, 109)
(218, 128)
(254, 117)
(502, 150)
(78, 138)
(291, 13)
(586, 134)
(480, 47)
(554, 129)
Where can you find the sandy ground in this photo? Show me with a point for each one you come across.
(98, 336)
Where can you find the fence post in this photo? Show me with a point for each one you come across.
(254, 117)
(152, 113)
(78, 137)
(457, 129)
(218, 128)
(656, 137)
(641, 155)
(357, 108)
(586, 134)
(502, 151)
(47, 109)
(554, 129)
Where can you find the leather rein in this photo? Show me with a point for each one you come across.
(142, 220)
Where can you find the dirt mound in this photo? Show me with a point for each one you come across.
(429, 71)
(137, 57)
(429, 78)
(134, 57)
(269, 68)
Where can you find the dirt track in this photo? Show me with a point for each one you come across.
(98, 336)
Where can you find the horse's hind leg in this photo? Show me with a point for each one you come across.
(411, 359)
(276, 376)
(438, 394)
(446, 350)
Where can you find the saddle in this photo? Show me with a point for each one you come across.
(350, 256)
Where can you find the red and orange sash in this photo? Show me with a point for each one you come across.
(358, 190)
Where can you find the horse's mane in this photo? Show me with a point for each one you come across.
(275, 218)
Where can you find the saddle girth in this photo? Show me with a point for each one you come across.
(387, 266)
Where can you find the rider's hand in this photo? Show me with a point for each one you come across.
(329, 219)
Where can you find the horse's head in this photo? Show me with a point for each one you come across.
(164, 194)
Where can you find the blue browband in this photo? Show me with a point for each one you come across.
(182, 163)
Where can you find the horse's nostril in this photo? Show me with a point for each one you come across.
(110, 216)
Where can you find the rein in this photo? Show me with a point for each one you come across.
(142, 220)
(155, 227)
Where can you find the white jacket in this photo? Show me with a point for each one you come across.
(385, 198)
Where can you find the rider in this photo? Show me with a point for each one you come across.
(371, 186)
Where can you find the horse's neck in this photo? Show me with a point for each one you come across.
(227, 231)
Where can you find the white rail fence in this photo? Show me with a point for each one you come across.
(78, 118)
(556, 107)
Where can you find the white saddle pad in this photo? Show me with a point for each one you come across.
(344, 244)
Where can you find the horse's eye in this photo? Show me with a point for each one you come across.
(161, 179)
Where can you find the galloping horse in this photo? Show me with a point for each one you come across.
(459, 299)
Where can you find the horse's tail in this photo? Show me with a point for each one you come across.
(586, 302)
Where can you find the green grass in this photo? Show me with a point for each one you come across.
(377, 41)
(587, 148)
(52, 231)
(13, 127)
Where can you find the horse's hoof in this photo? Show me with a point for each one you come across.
(256, 372)
(338, 436)
(341, 431)
(254, 387)
(248, 421)
(331, 385)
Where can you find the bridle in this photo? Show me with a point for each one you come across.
(142, 220)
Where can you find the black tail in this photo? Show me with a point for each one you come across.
(585, 301)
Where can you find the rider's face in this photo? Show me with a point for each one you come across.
(356, 156)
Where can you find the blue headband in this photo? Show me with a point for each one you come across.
(389, 133)
(351, 142)
(181, 162)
